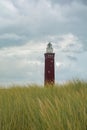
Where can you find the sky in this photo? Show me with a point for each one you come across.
(27, 26)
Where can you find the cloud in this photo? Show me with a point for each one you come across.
(63, 2)
(22, 64)
(32, 20)
(59, 64)
(27, 26)
(10, 36)
(9, 39)
(68, 43)
(7, 8)
(72, 58)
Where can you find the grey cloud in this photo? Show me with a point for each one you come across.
(84, 41)
(73, 51)
(10, 42)
(10, 39)
(73, 70)
(38, 21)
(64, 2)
(61, 1)
(73, 58)
(83, 1)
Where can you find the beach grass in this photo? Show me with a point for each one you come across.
(32, 107)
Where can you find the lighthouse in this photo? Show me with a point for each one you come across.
(49, 71)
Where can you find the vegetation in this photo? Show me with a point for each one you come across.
(63, 107)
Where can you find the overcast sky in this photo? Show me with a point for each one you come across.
(26, 27)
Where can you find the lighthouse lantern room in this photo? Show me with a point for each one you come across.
(49, 72)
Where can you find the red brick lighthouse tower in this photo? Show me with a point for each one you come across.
(49, 74)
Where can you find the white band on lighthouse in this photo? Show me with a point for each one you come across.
(49, 48)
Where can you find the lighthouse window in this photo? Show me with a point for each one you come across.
(48, 71)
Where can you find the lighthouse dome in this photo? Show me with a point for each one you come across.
(49, 48)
